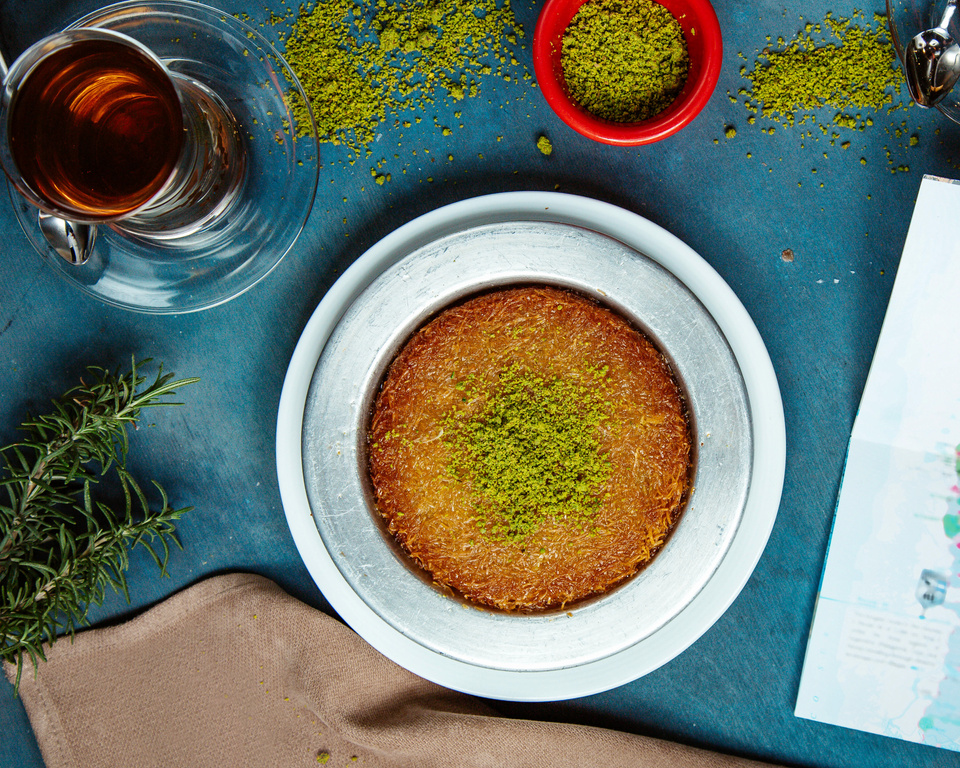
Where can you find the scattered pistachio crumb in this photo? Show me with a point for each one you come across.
(847, 64)
(359, 65)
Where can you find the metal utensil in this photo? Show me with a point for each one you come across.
(932, 61)
(442, 272)
(70, 239)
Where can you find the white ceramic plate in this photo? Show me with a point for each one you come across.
(589, 672)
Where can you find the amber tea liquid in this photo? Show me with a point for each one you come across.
(96, 129)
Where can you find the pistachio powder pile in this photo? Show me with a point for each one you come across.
(845, 65)
(624, 60)
(359, 63)
(532, 452)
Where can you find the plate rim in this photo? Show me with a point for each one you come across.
(763, 396)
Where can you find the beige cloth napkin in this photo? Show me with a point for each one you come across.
(234, 672)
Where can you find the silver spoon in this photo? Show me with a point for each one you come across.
(70, 239)
(932, 61)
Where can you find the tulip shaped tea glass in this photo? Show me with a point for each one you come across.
(96, 130)
(169, 127)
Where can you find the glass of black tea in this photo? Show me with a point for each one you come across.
(94, 128)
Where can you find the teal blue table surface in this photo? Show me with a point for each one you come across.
(807, 233)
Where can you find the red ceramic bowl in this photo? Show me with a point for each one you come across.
(701, 29)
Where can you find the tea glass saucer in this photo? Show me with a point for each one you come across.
(221, 261)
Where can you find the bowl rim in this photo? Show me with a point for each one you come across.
(701, 29)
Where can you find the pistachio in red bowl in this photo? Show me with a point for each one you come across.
(627, 72)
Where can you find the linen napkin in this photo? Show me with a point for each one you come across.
(235, 672)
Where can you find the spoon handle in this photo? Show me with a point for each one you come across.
(948, 14)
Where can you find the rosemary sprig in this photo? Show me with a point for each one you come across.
(60, 546)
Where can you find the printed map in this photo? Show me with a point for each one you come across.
(884, 648)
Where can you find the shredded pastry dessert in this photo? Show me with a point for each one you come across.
(529, 448)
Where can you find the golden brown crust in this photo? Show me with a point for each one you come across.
(550, 332)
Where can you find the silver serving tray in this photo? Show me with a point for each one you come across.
(524, 238)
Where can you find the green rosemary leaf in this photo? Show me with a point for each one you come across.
(61, 546)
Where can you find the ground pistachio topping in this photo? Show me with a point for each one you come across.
(360, 63)
(846, 65)
(624, 60)
(531, 452)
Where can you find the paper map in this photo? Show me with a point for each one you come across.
(884, 648)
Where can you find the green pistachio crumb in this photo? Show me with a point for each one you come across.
(847, 64)
(624, 60)
(359, 64)
(532, 452)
